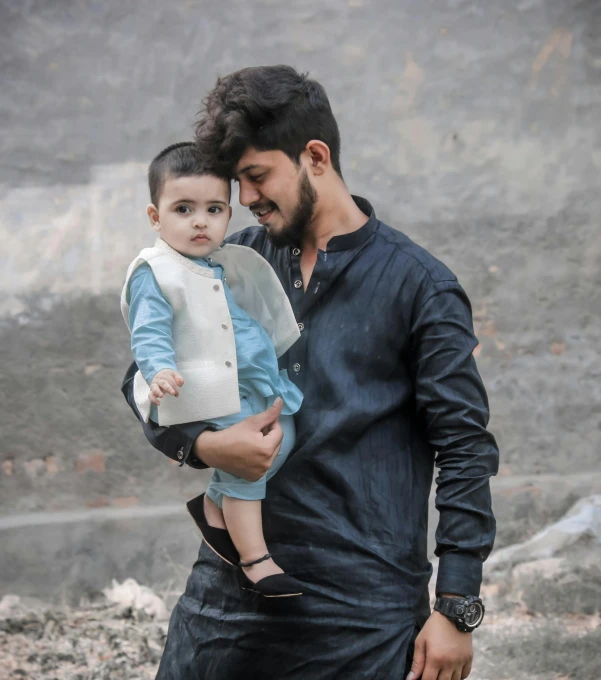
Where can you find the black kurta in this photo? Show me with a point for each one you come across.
(390, 389)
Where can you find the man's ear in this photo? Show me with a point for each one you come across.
(318, 154)
(153, 216)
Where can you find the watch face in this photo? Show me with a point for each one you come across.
(474, 614)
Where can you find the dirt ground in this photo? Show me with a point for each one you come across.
(91, 642)
(103, 641)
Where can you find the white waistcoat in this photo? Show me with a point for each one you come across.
(203, 335)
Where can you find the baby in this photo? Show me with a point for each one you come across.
(208, 350)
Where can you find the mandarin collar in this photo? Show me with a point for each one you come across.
(359, 236)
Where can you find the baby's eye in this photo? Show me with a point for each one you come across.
(214, 209)
(183, 209)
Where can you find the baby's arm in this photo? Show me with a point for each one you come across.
(150, 321)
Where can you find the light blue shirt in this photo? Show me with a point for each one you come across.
(151, 322)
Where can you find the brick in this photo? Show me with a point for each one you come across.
(94, 461)
(97, 503)
(125, 501)
(51, 465)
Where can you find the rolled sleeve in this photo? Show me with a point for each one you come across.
(453, 408)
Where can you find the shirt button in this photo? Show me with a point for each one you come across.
(296, 368)
(296, 251)
(301, 326)
(216, 286)
(180, 453)
(224, 326)
(298, 284)
(228, 364)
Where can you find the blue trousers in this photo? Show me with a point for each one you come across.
(225, 484)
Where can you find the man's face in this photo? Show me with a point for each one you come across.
(193, 214)
(278, 192)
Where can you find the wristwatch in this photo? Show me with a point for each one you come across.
(465, 612)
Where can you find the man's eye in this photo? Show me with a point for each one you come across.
(183, 209)
(214, 209)
(256, 178)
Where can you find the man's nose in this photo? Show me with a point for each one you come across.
(248, 194)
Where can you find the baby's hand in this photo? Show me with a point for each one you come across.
(165, 382)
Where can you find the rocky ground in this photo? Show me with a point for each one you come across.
(543, 600)
(91, 642)
(104, 641)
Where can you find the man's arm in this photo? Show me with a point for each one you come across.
(246, 449)
(453, 407)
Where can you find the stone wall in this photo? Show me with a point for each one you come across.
(471, 126)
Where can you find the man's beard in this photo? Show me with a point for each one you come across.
(293, 230)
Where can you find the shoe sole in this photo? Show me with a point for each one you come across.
(207, 543)
(250, 590)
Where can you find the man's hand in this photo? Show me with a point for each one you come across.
(441, 651)
(246, 449)
(165, 382)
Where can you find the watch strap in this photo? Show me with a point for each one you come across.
(446, 606)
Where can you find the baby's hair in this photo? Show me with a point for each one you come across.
(178, 160)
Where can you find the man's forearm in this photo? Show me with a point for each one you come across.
(206, 450)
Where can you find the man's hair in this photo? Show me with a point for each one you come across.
(267, 108)
(178, 160)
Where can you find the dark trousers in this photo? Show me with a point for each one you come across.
(219, 632)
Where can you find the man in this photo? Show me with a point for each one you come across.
(390, 389)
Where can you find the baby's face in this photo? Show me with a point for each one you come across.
(193, 214)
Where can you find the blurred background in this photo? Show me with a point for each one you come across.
(471, 126)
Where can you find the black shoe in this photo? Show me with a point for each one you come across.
(278, 585)
(218, 540)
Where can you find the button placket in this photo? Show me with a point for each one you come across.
(296, 354)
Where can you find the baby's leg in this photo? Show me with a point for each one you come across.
(245, 525)
(213, 513)
(212, 501)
